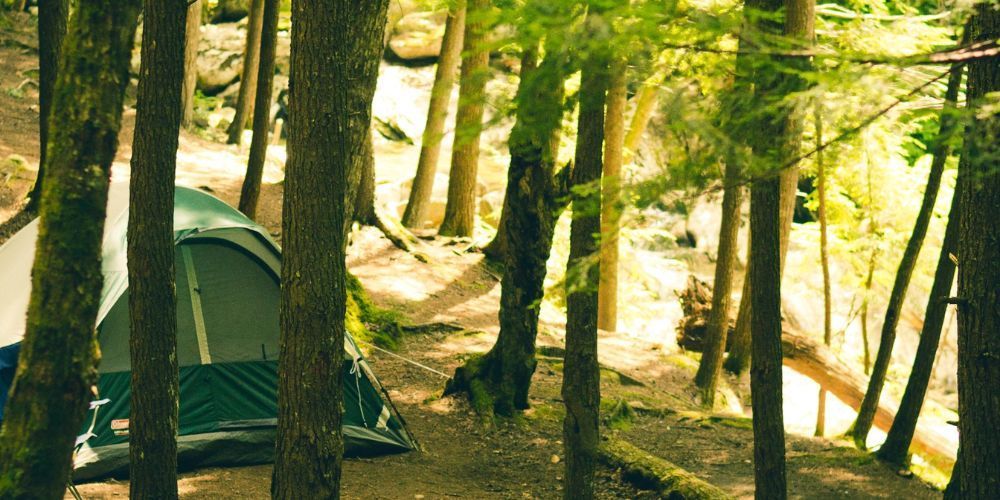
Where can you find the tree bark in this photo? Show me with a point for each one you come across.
(897, 444)
(611, 203)
(460, 210)
(765, 372)
(152, 300)
(336, 48)
(52, 16)
(770, 209)
(859, 431)
(718, 323)
(896, 449)
(581, 388)
(437, 113)
(364, 204)
(248, 79)
(706, 379)
(498, 381)
(57, 367)
(799, 26)
(250, 192)
(192, 39)
(979, 274)
(497, 247)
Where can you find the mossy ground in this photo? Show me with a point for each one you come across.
(369, 323)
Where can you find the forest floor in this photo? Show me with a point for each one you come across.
(462, 458)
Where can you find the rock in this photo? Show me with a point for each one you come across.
(416, 37)
(229, 11)
(490, 205)
(398, 10)
(220, 56)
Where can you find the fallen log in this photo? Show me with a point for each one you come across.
(654, 473)
(816, 361)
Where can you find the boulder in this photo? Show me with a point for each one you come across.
(220, 56)
(417, 36)
(230, 11)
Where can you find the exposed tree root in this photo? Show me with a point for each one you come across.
(433, 328)
(654, 473)
(491, 389)
(398, 235)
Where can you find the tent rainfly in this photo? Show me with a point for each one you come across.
(227, 342)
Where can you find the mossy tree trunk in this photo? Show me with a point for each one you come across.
(57, 367)
(336, 48)
(52, 16)
(460, 210)
(498, 381)
(581, 388)
(152, 300)
(979, 274)
(897, 444)
(437, 113)
(192, 39)
(250, 192)
(248, 78)
(497, 247)
(863, 423)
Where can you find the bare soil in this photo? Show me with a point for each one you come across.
(460, 456)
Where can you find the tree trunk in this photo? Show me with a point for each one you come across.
(770, 213)
(250, 193)
(460, 210)
(248, 79)
(497, 247)
(765, 372)
(192, 39)
(645, 103)
(52, 16)
(738, 106)
(336, 48)
(611, 203)
(824, 258)
(152, 301)
(859, 431)
(364, 204)
(896, 449)
(498, 381)
(57, 367)
(718, 322)
(979, 274)
(799, 26)
(437, 113)
(897, 444)
(581, 388)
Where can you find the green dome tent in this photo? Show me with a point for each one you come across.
(227, 342)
